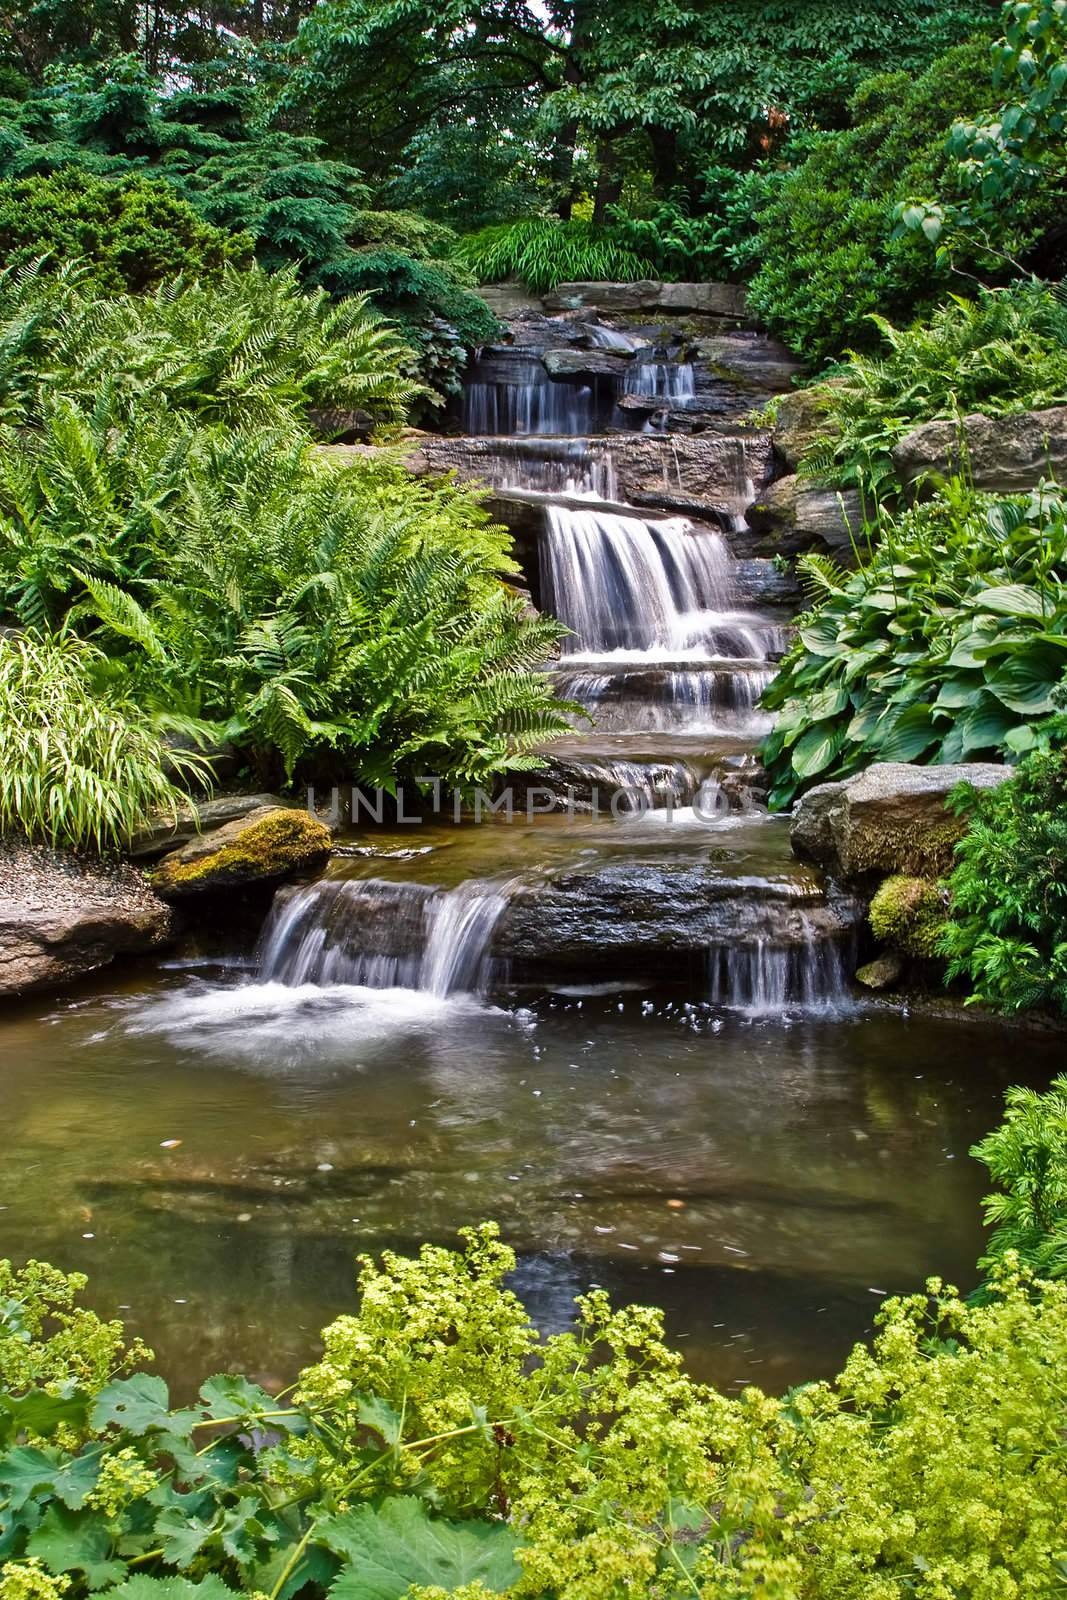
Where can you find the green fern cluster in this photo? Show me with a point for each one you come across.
(543, 251)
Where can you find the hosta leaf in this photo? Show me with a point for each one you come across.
(959, 694)
(73, 1541)
(821, 637)
(912, 733)
(814, 752)
(388, 1549)
(1021, 740)
(985, 728)
(829, 703)
(1011, 600)
(1025, 682)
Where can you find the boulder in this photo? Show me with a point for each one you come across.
(884, 972)
(169, 830)
(725, 300)
(263, 847)
(891, 818)
(1003, 454)
(798, 516)
(62, 917)
(511, 298)
(753, 361)
(580, 363)
(800, 420)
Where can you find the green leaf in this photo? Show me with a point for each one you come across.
(1025, 682)
(911, 734)
(143, 1588)
(399, 1544)
(378, 1414)
(135, 1404)
(959, 694)
(226, 1396)
(181, 1535)
(77, 1541)
(1011, 600)
(39, 1413)
(814, 752)
(985, 728)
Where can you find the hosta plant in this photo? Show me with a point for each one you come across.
(944, 645)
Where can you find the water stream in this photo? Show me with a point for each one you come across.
(624, 1029)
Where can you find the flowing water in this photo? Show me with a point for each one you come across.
(615, 1015)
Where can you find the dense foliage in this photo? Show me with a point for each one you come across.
(1027, 1157)
(543, 252)
(159, 494)
(1003, 351)
(1008, 934)
(945, 644)
(442, 1446)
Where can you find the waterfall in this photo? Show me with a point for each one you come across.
(649, 700)
(533, 404)
(571, 467)
(621, 582)
(613, 339)
(674, 381)
(765, 978)
(384, 935)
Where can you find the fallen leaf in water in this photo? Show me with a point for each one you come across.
(169, 1144)
(676, 1205)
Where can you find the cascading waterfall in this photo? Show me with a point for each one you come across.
(708, 701)
(662, 380)
(621, 582)
(533, 403)
(384, 935)
(546, 466)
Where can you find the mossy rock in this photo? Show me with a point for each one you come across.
(909, 915)
(265, 846)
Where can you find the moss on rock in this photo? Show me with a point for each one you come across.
(265, 846)
(909, 915)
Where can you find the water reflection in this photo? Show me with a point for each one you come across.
(214, 1154)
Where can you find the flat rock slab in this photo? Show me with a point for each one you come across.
(62, 917)
(266, 846)
(712, 299)
(890, 818)
(1006, 455)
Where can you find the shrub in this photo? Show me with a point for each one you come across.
(1004, 351)
(440, 1441)
(543, 252)
(945, 645)
(1027, 1157)
(909, 914)
(831, 249)
(133, 233)
(1008, 933)
(77, 769)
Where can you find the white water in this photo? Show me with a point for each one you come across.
(536, 405)
(765, 978)
(435, 942)
(661, 380)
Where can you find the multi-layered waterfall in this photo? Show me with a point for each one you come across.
(667, 664)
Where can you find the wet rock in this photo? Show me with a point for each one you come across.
(799, 421)
(891, 818)
(797, 516)
(265, 846)
(62, 917)
(759, 582)
(753, 361)
(584, 363)
(169, 831)
(645, 917)
(884, 972)
(711, 299)
(1003, 454)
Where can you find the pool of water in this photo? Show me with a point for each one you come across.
(214, 1152)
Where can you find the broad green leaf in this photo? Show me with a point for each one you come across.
(24, 1470)
(388, 1549)
(225, 1396)
(181, 1535)
(1021, 740)
(1025, 682)
(1011, 600)
(829, 703)
(912, 733)
(814, 752)
(135, 1404)
(142, 1588)
(820, 637)
(41, 1414)
(77, 1541)
(959, 694)
(985, 728)
(378, 1414)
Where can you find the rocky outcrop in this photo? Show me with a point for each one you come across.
(263, 847)
(755, 363)
(726, 300)
(892, 818)
(1003, 454)
(62, 917)
(169, 831)
(795, 515)
(800, 420)
(579, 363)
